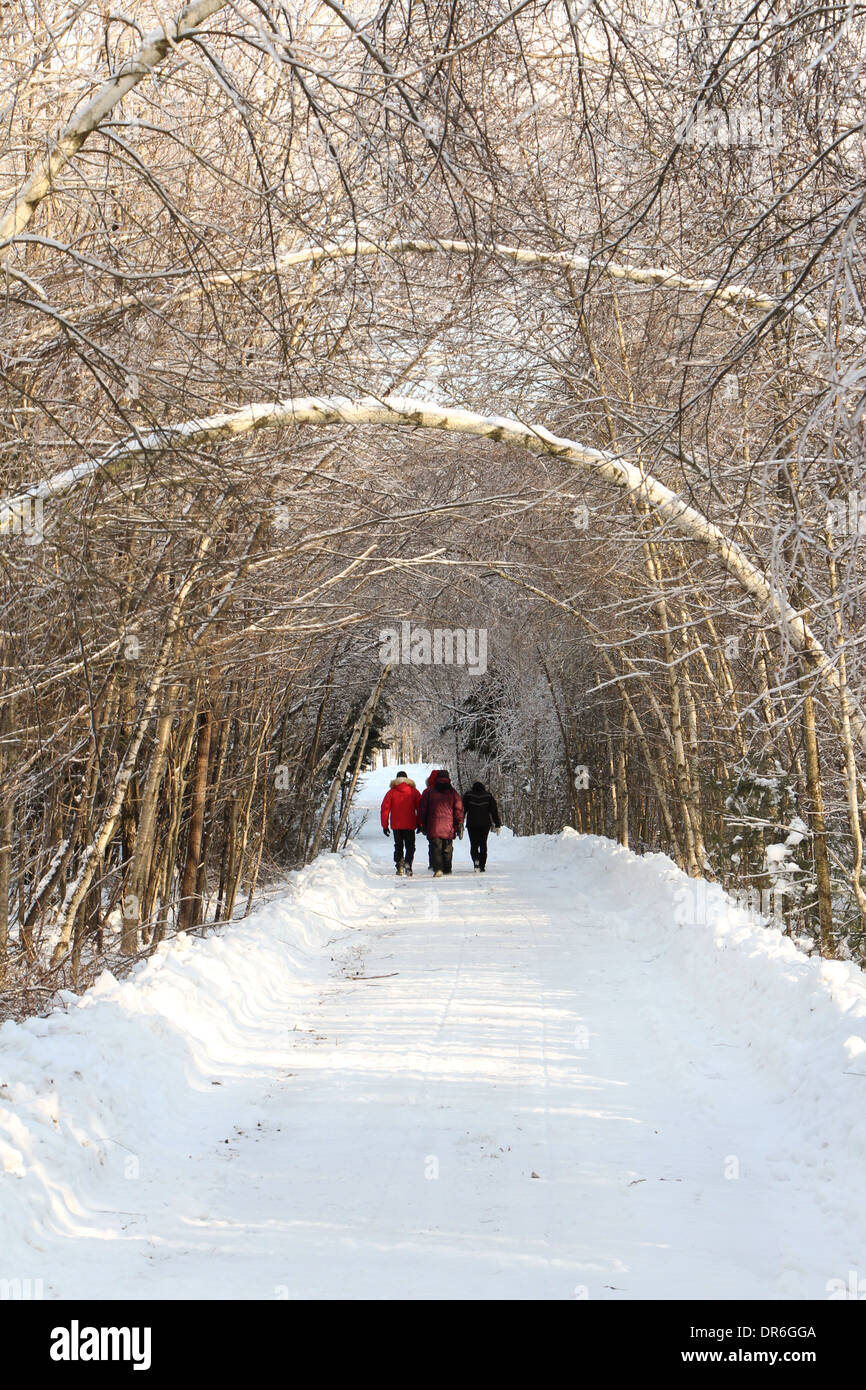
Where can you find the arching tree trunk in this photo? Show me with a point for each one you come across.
(400, 412)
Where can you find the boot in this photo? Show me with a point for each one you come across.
(399, 870)
(437, 873)
(408, 871)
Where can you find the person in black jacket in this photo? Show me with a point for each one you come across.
(482, 814)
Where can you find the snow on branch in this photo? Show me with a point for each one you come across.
(396, 411)
(660, 277)
(153, 51)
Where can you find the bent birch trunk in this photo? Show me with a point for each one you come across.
(401, 411)
(152, 52)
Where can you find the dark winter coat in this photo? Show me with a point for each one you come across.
(481, 809)
(440, 814)
(401, 804)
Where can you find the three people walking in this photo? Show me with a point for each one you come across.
(440, 813)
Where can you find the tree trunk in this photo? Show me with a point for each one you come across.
(189, 907)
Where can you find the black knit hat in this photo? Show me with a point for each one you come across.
(399, 775)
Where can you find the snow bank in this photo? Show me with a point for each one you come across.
(746, 985)
(91, 1091)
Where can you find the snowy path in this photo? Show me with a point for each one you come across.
(385, 1133)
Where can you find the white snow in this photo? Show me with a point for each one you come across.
(579, 1075)
(799, 831)
(777, 854)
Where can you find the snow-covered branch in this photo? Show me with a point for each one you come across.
(152, 52)
(402, 411)
(655, 277)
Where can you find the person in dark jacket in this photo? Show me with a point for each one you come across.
(482, 815)
(440, 816)
(400, 806)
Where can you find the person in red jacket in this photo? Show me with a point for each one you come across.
(440, 816)
(400, 806)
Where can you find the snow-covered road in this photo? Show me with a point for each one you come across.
(540, 1083)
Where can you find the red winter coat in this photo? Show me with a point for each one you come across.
(401, 804)
(440, 814)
